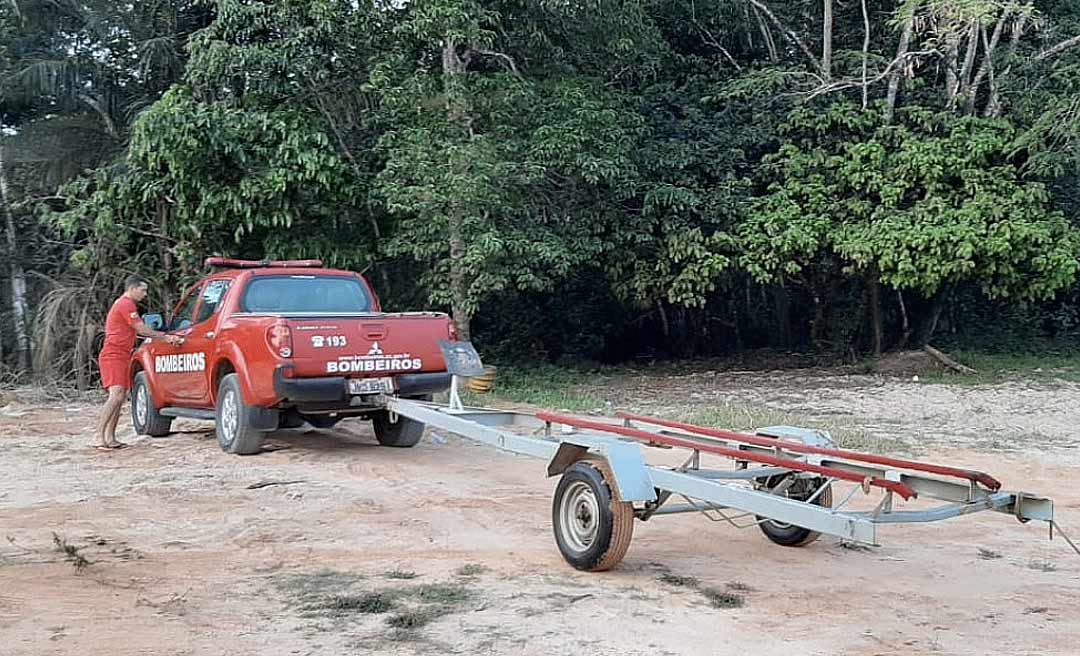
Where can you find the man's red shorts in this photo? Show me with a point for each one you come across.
(114, 372)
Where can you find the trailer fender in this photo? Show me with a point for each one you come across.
(631, 475)
(807, 436)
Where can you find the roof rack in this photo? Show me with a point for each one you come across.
(228, 263)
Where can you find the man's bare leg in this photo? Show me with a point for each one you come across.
(110, 414)
(110, 432)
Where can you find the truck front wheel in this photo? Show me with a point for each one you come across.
(235, 433)
(144, 415)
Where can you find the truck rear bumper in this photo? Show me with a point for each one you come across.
(332, 390)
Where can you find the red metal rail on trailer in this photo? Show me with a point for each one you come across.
(797, 447)
(902, 489)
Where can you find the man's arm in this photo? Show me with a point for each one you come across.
(146, 331)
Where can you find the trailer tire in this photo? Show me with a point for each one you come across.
(145, 417)
(235, 433)
(592, 526)
(789, 535)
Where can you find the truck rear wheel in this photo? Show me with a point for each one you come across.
(593, 527)
(144, 415)
(403, 432)
(235, 433)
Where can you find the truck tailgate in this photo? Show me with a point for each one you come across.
(375, 345)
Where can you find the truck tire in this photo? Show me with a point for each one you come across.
(402, 433)
(144, 414)
(235, 433)
(593, 527)
(322, 422)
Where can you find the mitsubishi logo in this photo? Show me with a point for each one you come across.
(375, 350)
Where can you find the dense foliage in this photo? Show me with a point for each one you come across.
(596, 180)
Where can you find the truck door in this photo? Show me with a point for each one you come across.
(200, 339)
(170, 362)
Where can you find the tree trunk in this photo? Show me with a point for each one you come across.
(865, 53)
(18, 276)
(826, 40)
(665, 325)
(166, 255)
(901, 52)
(874, 300)
(457, 112)
(905, 324)
(926, 331)
(993, 105)
(987, 65)
(969, 59)
(782, 306)
(952, 61)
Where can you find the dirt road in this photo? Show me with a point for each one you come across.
(447, 549)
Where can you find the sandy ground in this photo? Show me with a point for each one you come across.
(185, 559)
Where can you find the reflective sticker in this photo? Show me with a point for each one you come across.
(179, 363)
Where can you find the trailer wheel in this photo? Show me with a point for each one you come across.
(592, 526)
(144, 416)
(789, 535)
(235, 433)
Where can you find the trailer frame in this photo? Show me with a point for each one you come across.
(782, 480)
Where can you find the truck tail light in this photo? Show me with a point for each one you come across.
(279, 337)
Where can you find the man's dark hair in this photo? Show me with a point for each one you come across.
(134, 280)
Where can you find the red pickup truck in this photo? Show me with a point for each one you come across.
(270, 345)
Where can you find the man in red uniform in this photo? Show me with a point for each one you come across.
(121, 327)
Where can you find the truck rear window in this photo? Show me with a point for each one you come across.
(306, 294)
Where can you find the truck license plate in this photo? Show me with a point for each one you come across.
(371, 386)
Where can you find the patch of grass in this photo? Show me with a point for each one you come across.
(311, 589)
(471, 569)
(372, 603)
(71, 553)
(746, 417)
(411, 620)
(989, 554)
(399, 574)
(440, 593)
(997, 366)
(548, 386)
(1042, 566)
(723, 598)
(329, 595)
(678, 581)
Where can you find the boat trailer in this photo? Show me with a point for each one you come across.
(780, 479)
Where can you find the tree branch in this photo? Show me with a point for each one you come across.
(1056, 50)
(95, 104)
(766, 35)
(708, 37)
(507, 60)
(787, 32)
(840, 85)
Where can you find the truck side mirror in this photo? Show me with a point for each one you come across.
(154, 321)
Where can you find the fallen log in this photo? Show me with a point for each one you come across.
(948, 362)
